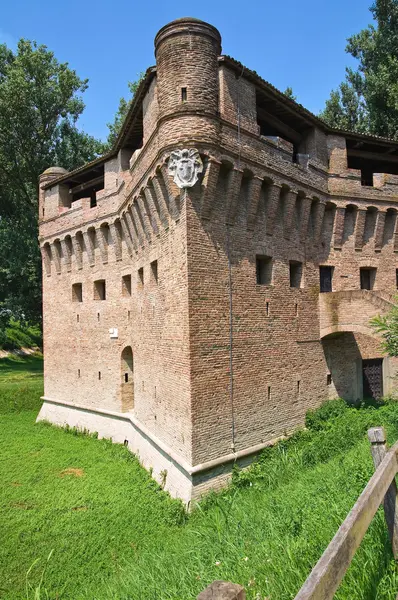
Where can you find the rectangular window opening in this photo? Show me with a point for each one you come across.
(269, 392)
(100, 289)
(154, 270)
(183, 94)
(325, 278)
(298, 387)
(141, 276)
(264, 270)
(77, 292)
(329, 379)
(296, 274)
(126, 286)
(296, 309)
(78, 373)
(366, 177)
(78, 318)
(267, 309)
(396, 278)
(126, 378)
(99, 374)
(367, 278)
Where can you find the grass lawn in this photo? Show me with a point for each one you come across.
(113, 534)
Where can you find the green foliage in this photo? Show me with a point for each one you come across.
(116, 535)
(387, 326)
(121, 113)
(17, 335)
(367, 101)
(320, 418)
(40, 103)
(289, 93)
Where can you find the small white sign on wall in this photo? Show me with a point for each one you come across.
(113, 333)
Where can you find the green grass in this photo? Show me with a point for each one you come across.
(16, 334)
(114, 534)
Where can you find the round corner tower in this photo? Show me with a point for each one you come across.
(187, 53)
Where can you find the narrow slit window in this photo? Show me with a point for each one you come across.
(269, 392)
(77, 292)
(267, 309)
(126, 286)
(99, 374)
(184, 94)
(396, 278)
(141, 276)
(100, 289)
(78, 373)
(126, 378)
(329, 379)
(78, 318)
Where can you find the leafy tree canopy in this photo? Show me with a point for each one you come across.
(40, 103)
(367, 101)
(121, 113)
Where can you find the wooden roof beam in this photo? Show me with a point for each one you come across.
(285, 130)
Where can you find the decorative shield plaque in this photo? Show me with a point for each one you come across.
(185, 166)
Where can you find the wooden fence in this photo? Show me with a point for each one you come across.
(327, 574)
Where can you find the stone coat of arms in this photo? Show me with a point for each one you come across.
(184, 166)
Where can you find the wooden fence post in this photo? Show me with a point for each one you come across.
(223, 590)
(378, 448)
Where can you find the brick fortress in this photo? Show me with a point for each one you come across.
(212, 277)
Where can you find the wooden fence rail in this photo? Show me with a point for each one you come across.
(327, 574)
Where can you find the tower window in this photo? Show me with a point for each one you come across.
(141, 276)
(126, 285)
(184, 94)
(263, 270)
(367, 277)
(77, 292)
(296, 274)
(154, 270)
(99, 289)
(366, 177)
(325, 278)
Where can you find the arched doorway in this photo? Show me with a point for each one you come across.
(127, 379)
(357, 368)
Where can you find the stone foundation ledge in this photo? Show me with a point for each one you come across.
(170, 470)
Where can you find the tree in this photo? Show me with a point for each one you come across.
(387, 326)
(289, 93)
(121, 113)
(367, 101)
(40, 102)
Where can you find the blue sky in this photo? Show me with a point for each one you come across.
(297, 43)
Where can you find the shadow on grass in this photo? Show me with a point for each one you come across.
(14, 364)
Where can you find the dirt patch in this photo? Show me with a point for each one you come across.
(72, 471)
(22, 505)
(15, 484)
(80, 508)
